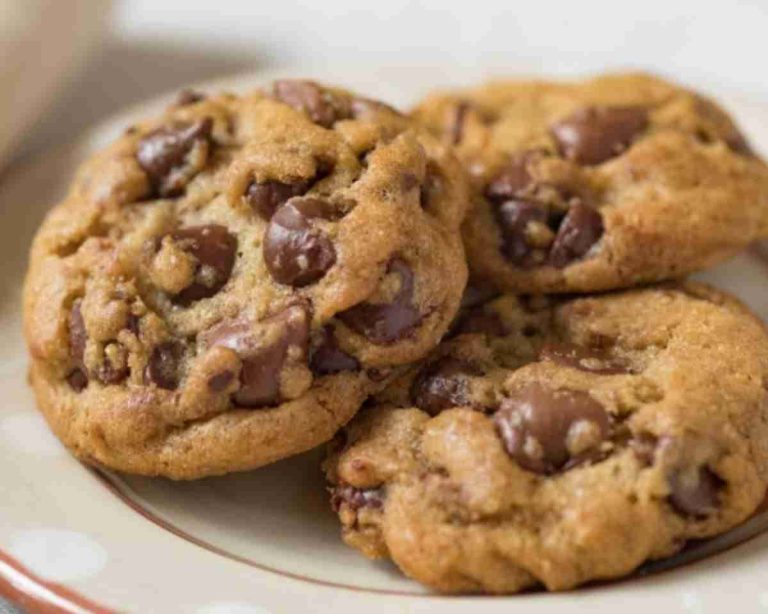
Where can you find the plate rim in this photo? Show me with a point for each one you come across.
(60, 595)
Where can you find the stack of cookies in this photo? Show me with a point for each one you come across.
(248, 277)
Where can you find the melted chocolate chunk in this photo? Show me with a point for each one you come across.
(78, 377)
(739, 144)
(187, 97)
(265, 198)
(163, 154)
(108, 373)
(356, 498)
(133, 324)
(442, 385)
(263, 353)
(546, 430)
(384, 323)
(365, 108)
(511, 181)
(327, 357)
(581, 228)
(514, 218)
(214, 248)
(527, 224)
(295, 252)
(596, 134)
(694, 492)
(163, 366)
(308, 97)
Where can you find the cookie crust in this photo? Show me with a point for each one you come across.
(593, 435)
(599, 184)
(225, 284)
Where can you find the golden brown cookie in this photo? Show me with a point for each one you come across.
(557, 442)
(223, 286)
(599, 184)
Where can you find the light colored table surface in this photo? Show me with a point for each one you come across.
(157, 45)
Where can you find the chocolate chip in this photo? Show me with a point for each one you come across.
(107, 373)
(595, 134)
(133, 324)
(385, 323)
(739, 144)
(514, 218)
(295, 252)
(308, 97)
(187, 97)
(442, 385)
(512, 180)
(581, 228)
(264, 351)
(164, 155)
(356, 498)
(214, 249)
(365, 108)
(694, 491)
(265, 198)
(546, 430)
(220, 381)
(327, 357)
(526, 218)
(583, 358)
(163, 366)
(78, 377)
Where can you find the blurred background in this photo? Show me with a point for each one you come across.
(67, 64)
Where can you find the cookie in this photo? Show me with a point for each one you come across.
(224, 285)
(557, 442)
(600, 184)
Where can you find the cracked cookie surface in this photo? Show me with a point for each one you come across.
(599, 184)
(554, 442)
(224, 285)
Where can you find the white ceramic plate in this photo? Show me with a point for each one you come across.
(76, 540)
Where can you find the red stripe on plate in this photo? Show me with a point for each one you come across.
(29, 591)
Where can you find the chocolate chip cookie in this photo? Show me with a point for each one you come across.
(599, 184)
(224, 286)
(554, 442)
